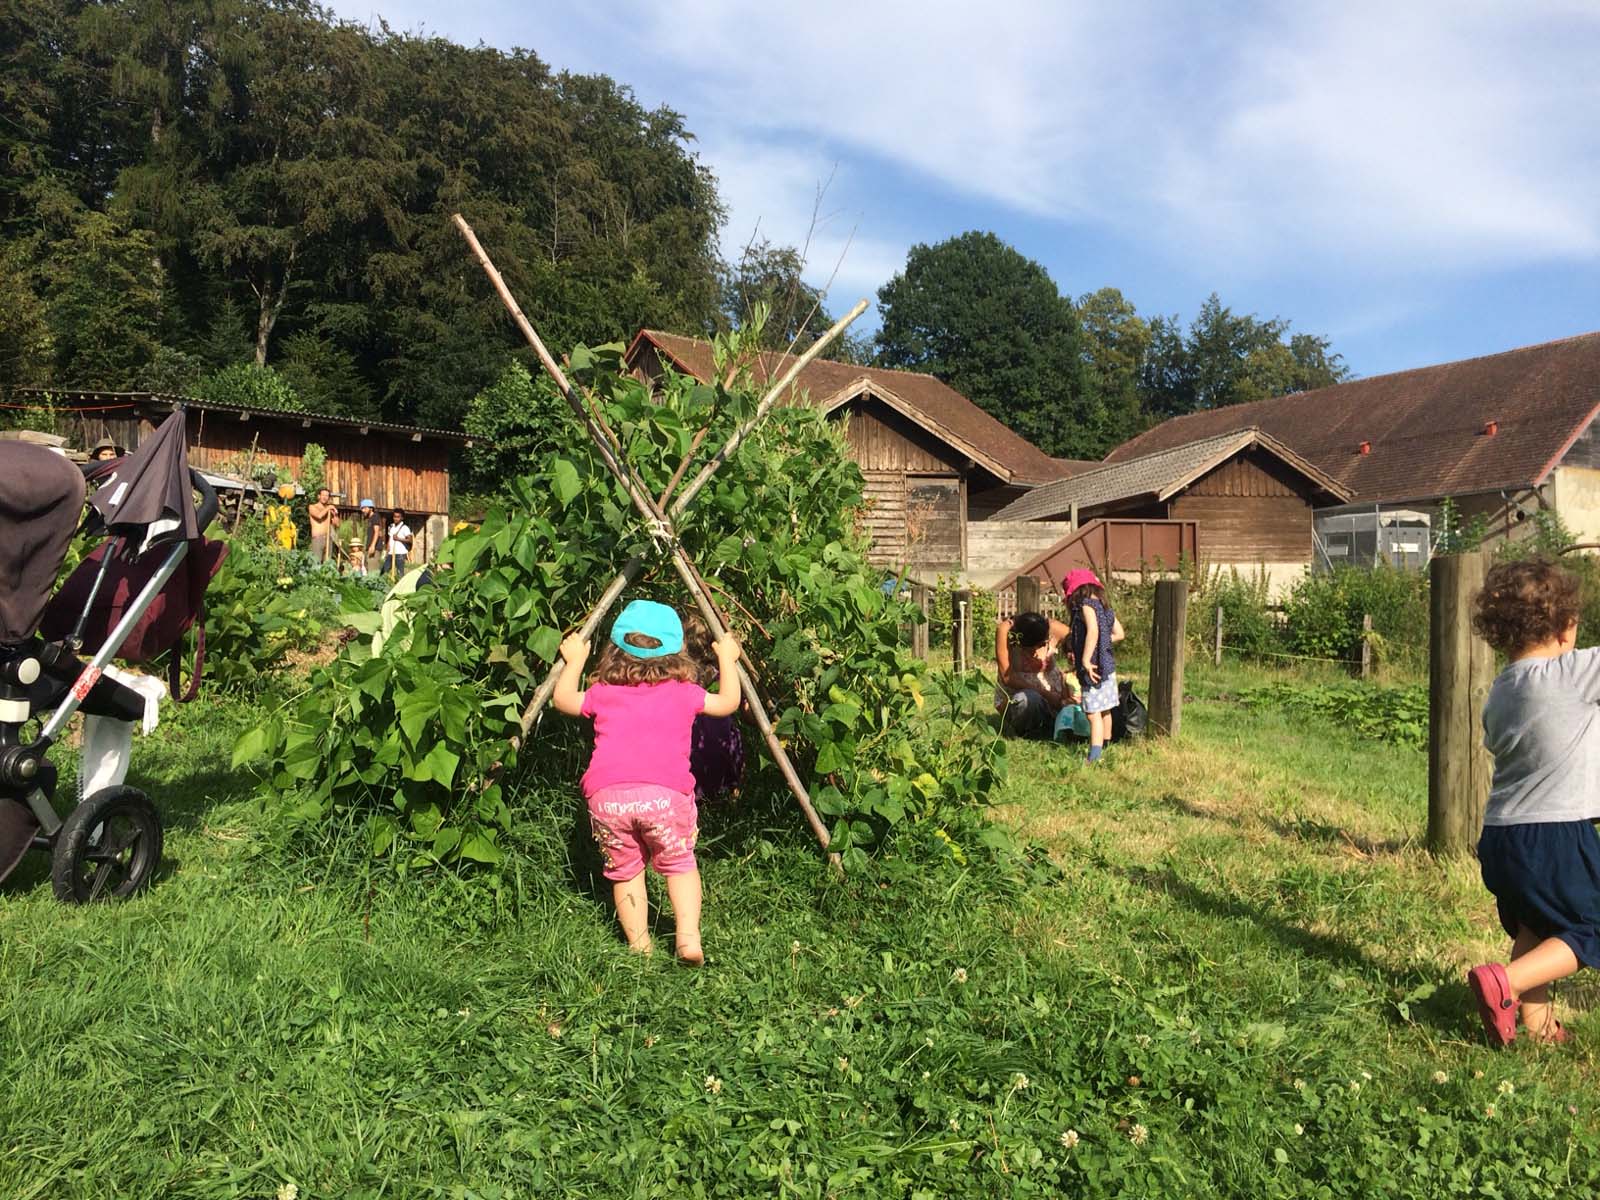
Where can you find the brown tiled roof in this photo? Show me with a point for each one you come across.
(937, 407)
(1425, 428)
(1157, 476)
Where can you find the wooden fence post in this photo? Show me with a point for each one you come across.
(919, 631)
(1027, 593)
(1166, 656)
(961, 629)
(1217, 651)
(1366, 645)
(1460, 669)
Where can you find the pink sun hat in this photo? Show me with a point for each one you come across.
(1078, 578)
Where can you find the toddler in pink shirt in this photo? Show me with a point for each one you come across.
(640, 792)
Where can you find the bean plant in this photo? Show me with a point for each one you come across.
(416, 740)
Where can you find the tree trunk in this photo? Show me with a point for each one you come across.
(271, 304)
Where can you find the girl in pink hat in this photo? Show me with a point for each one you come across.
(1095, 629)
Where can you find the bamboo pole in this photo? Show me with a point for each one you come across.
(660, 525)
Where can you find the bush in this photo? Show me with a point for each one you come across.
(1247, 626)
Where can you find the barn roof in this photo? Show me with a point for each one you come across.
(1158, 476)
(1427, 429)
(931, 403)
(110, 401)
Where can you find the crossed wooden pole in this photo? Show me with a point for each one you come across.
(659, 519)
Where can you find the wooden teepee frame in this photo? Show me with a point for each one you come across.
(658, 517)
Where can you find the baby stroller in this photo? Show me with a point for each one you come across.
(109, 845)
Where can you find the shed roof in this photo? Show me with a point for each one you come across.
(110, 401)
(1158, 476)
(1425, 428)
(931, 403)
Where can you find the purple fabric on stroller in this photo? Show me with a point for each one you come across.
(41, 499)
(716, 756)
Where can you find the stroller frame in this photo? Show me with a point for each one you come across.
(27, 778)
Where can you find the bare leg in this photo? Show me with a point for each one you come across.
(1535, 962)
(684, 892)
(633, 911)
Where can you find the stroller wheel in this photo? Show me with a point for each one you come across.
(109, 846)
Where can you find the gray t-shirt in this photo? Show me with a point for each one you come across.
(1542, 724)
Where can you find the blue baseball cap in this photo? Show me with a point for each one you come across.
(652, 620)
(365, 504)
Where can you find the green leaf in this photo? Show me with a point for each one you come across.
(545, 642)
(564, 481)
(439, 764)
(479, 847)
(250, 747)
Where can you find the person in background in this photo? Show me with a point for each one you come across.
(716, 747)
(1032, 688)
(399, 542)
(374, 528)
(105, 450)
(321, 513)
(1095, 629)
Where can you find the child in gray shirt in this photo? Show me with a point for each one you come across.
(1539, 852)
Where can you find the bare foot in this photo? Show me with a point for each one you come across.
(642, 946)
(691, 953)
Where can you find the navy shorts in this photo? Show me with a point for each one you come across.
(1546, 877)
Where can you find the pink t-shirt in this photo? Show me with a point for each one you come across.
(641, 734)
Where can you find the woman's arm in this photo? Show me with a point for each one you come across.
(1002, 649)
(567, 697)
(1091, 639)
(725, 701)
(1116, 628)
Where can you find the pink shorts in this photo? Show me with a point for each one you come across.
(636, 822)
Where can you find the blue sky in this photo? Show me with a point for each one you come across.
(1420, 181)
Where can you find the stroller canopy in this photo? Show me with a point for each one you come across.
(148, 499)
(41, 497)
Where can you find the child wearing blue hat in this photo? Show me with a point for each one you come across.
(639, 788)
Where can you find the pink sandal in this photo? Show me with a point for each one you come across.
(1496, 1005)
(1558, 1036)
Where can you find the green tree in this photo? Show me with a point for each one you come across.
(991, 324)
(515, 422)
(1116, 344)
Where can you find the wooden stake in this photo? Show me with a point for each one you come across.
(919, 631)
(961, 629)
(1460, 669)
(1028, 593)
(660, 525)
(1166, 656)
(1366, 645)
(1217, 650)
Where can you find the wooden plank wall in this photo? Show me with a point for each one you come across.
(996, 548)
(885, 519)
(935, 521)
(883, 440)
(1251, 511)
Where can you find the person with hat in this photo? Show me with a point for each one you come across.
(105, 450)
(639, 786)
(375, 529)
(1095, 629)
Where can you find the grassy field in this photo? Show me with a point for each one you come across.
(1239, 977)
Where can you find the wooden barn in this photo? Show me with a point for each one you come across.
(396, 466)
(935, 464)
(1248, 498)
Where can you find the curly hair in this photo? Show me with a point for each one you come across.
(616, 665)
(699, 647)
(1523, 604)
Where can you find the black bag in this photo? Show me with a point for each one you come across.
(1129, 717)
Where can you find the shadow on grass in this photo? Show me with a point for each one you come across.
(1442, 1010)
(1302, 829)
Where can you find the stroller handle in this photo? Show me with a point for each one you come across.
(205, 512)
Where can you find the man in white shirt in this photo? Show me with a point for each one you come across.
(394, 562)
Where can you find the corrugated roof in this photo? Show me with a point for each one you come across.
(934, 405)
(74, 398)
(1157, 476)
(1425, 428)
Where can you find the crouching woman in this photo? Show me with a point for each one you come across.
(1032, 686)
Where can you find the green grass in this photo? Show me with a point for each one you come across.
(1241, 927)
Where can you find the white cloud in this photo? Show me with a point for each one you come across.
(1361, 138)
